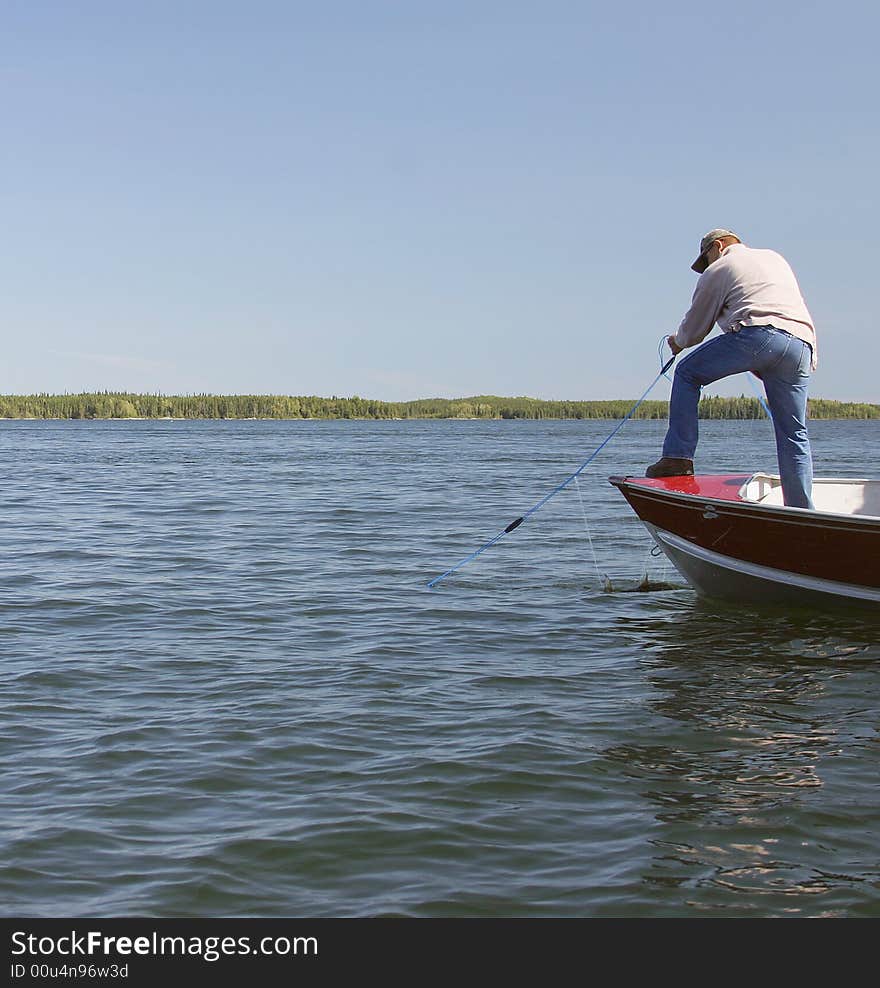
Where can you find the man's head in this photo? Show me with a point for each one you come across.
(711, 246)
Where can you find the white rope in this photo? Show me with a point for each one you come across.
(603, 577)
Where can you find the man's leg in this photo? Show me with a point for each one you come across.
(730, 353)
(786, 387)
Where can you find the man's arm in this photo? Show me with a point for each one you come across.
(700, 317)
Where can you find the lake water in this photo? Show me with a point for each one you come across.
(228, 692)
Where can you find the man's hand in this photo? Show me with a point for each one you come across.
(673, 346)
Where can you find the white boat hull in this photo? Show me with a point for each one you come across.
(715, 575)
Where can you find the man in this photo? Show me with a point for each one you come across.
(755, 299)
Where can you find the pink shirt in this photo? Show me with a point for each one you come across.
(747, 286)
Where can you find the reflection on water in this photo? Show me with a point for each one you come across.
(759, 715)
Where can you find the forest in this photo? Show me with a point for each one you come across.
(120, 405)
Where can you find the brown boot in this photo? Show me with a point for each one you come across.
(668, 466)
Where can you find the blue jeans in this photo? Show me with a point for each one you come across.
(782, 362)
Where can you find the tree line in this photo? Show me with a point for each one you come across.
(122, 405)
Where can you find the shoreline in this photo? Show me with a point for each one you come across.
(120, 406)
(399, 418)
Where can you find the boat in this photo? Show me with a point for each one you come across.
(731, 536)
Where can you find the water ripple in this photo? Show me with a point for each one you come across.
(228, 691)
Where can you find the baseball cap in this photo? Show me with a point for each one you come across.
(700, 264)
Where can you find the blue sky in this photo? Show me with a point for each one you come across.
(417, 199)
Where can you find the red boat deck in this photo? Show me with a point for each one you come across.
(721, 486)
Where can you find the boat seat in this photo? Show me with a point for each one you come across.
(840, 496)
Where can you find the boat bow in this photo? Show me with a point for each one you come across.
(730, 535)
